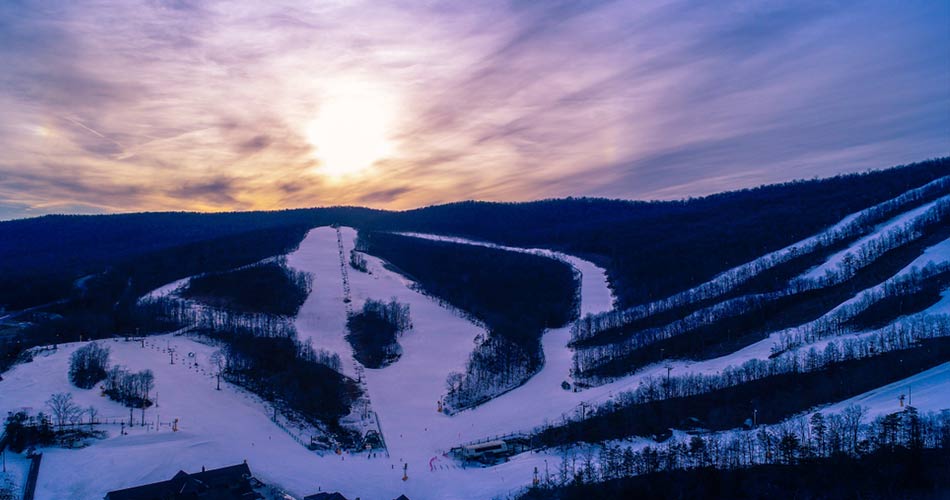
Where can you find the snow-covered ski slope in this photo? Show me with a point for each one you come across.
(928, 391)
(848, 226)
(880, 231)
(219, 428)
(595, 296)
(222, 427)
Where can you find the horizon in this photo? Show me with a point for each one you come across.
(116, 107)
(422, 207)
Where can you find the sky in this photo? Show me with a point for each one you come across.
(118, 106)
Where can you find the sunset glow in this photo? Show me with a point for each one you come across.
(352, 130)
(227, 105)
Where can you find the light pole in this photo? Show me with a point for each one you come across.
(669, 368)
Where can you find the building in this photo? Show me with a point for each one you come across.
(227, 483)
(490, 449)
(325, 496)
(337, 496)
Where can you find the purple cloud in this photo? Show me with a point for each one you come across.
(208, 105)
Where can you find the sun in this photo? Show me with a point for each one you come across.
(352, 130)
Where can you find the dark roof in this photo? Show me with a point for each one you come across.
(226, 483)
(402, 497)
(325, 496)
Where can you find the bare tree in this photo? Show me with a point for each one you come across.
(88, 365)
(93, 414)
(63, 408)
(147, 383)
(853, 415)
(218, 363)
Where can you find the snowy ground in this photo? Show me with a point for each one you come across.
(835, 260)
(224, 427)
(17, 467)
(322, 317)
(928, 391)
(219, 428)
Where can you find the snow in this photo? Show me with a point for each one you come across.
(219, 428)
(928, 390)
(596, 296)
(935, 254)
(18, 467)
(322, 317)
(166, 289)
(216, 427)
(835, 260)
(942, 306)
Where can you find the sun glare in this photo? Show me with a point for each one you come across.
(352, 129)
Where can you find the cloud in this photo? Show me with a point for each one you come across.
(254, 144)
(171, 104)
(384, 196)
(218, 191)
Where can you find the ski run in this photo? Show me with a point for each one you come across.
(216, 428)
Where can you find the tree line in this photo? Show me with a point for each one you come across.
(268, 287)
(516, 295)
(132, 389)
(88, 365)
(774, 388)
(358, 261)
(895, 337)
(847, 230)
(262, 354)
(374, 332)
(750, 316)
(841, 321)
(656, 249)
(825, 441)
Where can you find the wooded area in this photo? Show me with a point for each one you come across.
(516, 295)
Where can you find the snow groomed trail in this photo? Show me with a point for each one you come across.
(405, 394)
(220, 428)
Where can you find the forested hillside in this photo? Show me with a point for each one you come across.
(654, 249)
(749, 331)
(516, 295)
(41, 258)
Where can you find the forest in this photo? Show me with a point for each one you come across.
(104, 304)
(282, 370)
(834, 456)
(650, 249)
(268, 287)
(516, 295)
(89, 270)
(655, 249)
(880, 475)
(374, 332)
(263, 355)
(611, 345)
(774, 389)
